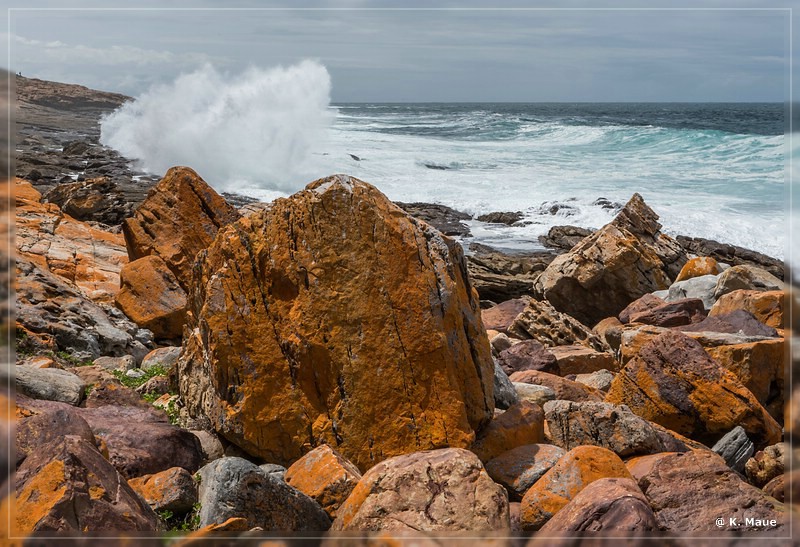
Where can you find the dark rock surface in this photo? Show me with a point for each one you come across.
(564, 238)
(731, 254)
(445, 219)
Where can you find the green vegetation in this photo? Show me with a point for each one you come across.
(133, 383)
(179, 525)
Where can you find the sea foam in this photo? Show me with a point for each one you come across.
(258, 128)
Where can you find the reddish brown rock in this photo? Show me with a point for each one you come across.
(614, 266)
(179, 218)
(563, 388)
(36, 431)
(606, 505)
(324, 476)
(640, 305)
(766, 306)
(521, 424)
(610, 330)
(689, 492)
(433, 491)
(297, 309)
(69, 487)
(674, 382)
(695, 267)
(527, 355)
(582, 360)
(735, 322)
(574, 471)
(746, 277)
(672, 314)
(776, 488)
(543, 323)
(172, 490)
(140, 442)
(152, 298)
(519, 468)
(501, 316)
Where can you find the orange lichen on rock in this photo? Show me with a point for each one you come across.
(572, 473)
(695, 267)
(37, 499)
(325, 476)
(766, 306)
(335, 318)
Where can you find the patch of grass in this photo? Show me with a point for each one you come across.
(179, 525)
(133, 383)
(69, 358)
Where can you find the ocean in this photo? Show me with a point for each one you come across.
(709, 170)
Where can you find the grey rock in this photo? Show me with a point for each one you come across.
(274, 469)
(564, 237)
(445, 219)
(211, 445)
(500, 342)
(501, 217)
(732, 255)
(234, 487)
(165, 357)
(600, 379)
(661, 294)
(701, 287)
(504, 393)
(124, 363)
(735, 448)
(607, 425)
(534, 393)
(51, 384)
(746, 277)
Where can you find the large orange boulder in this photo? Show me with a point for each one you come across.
(614, 266)
(335, 318)
(572, 473)
(674, 382)
(521, 424)
(152, 298)
(179, 218)
(700, 265)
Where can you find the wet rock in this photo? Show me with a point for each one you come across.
(766, 306)
(543, 323)
(434, 491)
(179, 218)
(324, 476)
(172, 490)
(608, 270)
(445, 219)
(527, 355)
(314, 333)
(673, 382)
(735, 448)
(766, 464)
(51, 384)
(572, 473)
(504, 393)
(564, 389)
(97, 199)
(236, 488)
(600, 424)
(507, 218)
(521, 424)
(690, 491)
(608, 506)
(519, 468)
(746, 277)
(564, 237)
(69, 487)
(152, 298)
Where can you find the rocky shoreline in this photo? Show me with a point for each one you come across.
(335, 363)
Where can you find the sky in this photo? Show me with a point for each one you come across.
(375, 54)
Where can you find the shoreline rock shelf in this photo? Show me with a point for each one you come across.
(323, 363)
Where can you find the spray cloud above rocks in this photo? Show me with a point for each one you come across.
(258, 128)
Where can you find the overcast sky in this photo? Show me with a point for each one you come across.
(415, 55)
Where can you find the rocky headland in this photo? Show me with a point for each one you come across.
(333, 363)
